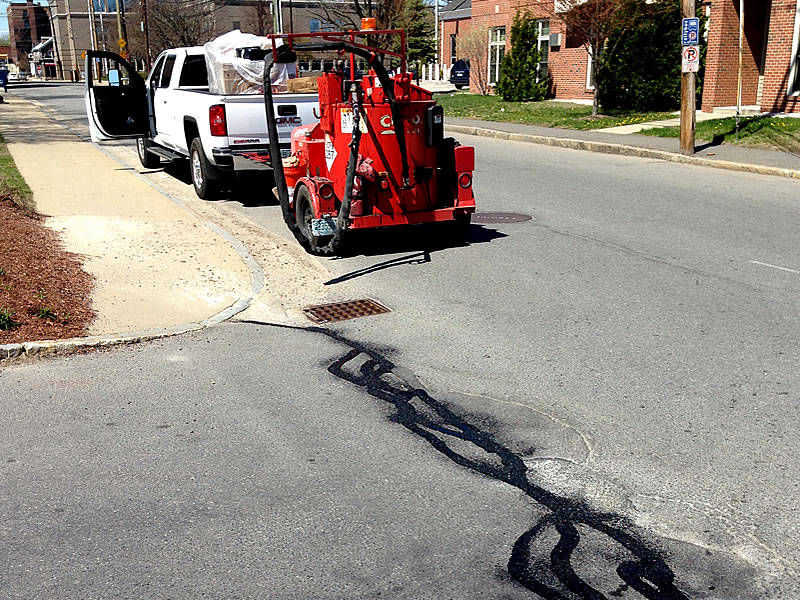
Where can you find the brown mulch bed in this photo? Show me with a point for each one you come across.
(43, 288)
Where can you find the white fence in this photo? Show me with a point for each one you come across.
(434, 72)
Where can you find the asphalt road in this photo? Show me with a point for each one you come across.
(609, 410)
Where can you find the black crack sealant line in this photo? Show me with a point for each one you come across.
(432, 420)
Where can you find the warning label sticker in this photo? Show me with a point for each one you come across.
(346, 121)
(330, 151)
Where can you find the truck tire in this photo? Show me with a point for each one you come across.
(147, 158)
(304, 212)
(204, 175)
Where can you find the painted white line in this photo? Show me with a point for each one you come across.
(763, 264)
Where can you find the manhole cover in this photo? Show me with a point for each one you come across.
(342, 311)
(499, 217)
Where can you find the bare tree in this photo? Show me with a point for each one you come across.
(173, 24)
(474, 46)
(591, 22)
(347, 15)
(262, 17)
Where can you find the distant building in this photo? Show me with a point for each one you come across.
(454, 19)
(71, 25)
(566, 59)
(771, 61)
(28, 24)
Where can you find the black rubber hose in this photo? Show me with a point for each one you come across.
(350, 176)
(275, 147)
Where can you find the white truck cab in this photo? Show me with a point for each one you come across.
(173, 116)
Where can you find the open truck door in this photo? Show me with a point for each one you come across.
(116, 100)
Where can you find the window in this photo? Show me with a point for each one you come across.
(155, 74)
(543, 44)
(167, 74)
(236, 25)
(794, 66)
(314, 25)
(589, 73)
(452, 48)
(497, 50)
(194, 73)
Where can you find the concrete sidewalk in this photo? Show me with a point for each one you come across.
(155, 264)
(728, 156)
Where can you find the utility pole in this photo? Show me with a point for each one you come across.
(688, 93)
(436, 29)
(71, 34)
(93, 34)
(56, 47)
(123, 17)
(146, 35)
(119, 20)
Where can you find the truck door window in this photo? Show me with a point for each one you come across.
(155, 74)
(194, 72)
(169, 64)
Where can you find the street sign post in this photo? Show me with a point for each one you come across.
(690, 32)
(690, 62)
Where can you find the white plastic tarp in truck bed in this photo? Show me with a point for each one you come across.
(223, 61)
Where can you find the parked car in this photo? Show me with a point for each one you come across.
(17, 76)
(459, 74)
(173, 116)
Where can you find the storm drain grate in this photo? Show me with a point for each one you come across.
(342, 311)
(499, 217)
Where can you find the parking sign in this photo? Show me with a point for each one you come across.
(690, 32)
(690, 62)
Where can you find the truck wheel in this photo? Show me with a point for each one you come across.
(459, 86)
(304, 212)
(147, 158)
(204, 176)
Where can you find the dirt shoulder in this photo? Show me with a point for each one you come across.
(155, 264)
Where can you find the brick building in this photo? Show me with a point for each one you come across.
(565, 58)
(454, 19)
(28, 23)
(71, 21)
(770, 72)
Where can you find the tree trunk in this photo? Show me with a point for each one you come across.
(596, 57)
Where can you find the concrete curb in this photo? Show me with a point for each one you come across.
(623, 150)
(10, 352)
(42, 348)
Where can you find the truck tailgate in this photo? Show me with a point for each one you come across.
(247, 123)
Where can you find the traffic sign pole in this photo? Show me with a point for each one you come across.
(688, 84)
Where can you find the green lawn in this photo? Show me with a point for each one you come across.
(546, 113)
(762, 131)
(12, 185)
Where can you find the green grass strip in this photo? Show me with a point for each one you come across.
(758, 131)
(12, 185)
(545, 114)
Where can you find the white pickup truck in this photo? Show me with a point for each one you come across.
(173, 116)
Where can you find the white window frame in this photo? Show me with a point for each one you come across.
(493, 46)
(589, 61)
(542, 39)
(791, 90)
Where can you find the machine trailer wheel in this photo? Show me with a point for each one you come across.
(460, 227)
(304, 212)
(147, 158)
(204, 177)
